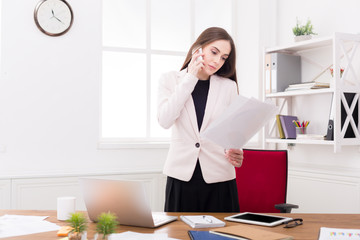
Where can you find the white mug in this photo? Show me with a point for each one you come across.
(65, 206)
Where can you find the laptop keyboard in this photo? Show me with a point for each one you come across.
(158, 218)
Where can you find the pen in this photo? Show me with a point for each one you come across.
(207, 219)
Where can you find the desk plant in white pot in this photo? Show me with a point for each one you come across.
(303, 32)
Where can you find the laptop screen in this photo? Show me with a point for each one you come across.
(126, 199)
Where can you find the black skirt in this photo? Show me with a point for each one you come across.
(199, 196)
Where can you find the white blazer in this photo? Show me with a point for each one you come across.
(176, 109)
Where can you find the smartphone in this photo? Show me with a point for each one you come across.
(200, 51)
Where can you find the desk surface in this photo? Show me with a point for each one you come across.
(178, 229)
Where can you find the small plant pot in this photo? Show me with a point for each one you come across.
(100, 236)
(302, 38)
(77, 236)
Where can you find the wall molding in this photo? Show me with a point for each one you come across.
(79, 173)
(41, 192)
(320, 192)
(320, 168)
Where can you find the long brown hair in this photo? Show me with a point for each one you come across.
(208, 36)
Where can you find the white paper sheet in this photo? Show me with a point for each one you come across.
(139, 236)
(240, 122)
(17, 225)
(339, 234)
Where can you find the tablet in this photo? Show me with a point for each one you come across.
(258, 219)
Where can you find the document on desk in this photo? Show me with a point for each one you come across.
(240, 122)
(339, 234)
(18, 225)
(139, 236)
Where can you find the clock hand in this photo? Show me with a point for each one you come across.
(53, 14)
(58, 19)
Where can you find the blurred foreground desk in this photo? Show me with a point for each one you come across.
(178, 229)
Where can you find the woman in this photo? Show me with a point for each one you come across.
(201, 174)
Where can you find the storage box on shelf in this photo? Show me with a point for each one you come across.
(317, 57)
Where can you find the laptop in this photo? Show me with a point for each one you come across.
(126, 199)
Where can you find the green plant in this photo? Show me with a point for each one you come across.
(78, 222)
(306, 29)
(106, 224)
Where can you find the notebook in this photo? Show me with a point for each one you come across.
(244, 233)
(288, 126)
(206, 235)
(126, 199)
(202, 221)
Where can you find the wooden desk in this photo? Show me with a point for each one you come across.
(178, 229)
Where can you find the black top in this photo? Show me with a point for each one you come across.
(199, 96)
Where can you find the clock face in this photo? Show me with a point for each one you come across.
(53, 17)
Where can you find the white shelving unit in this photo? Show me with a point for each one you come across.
(343, 51)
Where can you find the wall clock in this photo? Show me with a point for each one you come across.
(53, 17)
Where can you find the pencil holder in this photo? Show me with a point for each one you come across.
(300, 130)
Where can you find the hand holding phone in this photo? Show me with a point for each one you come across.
(196, 62)
(200, 57)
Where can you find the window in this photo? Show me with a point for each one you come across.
(141, 40)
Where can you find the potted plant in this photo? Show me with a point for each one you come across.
(106, 224)
(303, 32)
(78, 222)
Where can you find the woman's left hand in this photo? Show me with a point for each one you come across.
(235, 156)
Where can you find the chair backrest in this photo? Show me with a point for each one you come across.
(262, 180)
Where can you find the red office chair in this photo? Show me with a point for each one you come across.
(262, 181)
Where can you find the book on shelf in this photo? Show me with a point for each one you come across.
(310, 136)
(202, 221)
(288, 126)
(319, 85)
(278, 122)
(307, 85)
(244, 232)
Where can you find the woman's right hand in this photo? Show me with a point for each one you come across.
(195, 65)
(235, 156)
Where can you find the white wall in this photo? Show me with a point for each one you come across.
(49, 98)
(326, 16)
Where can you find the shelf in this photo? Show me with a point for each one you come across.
(346, 141)
(300, 141)
(340, 49)
(299, 93)
(304, 45)
(313, 43)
